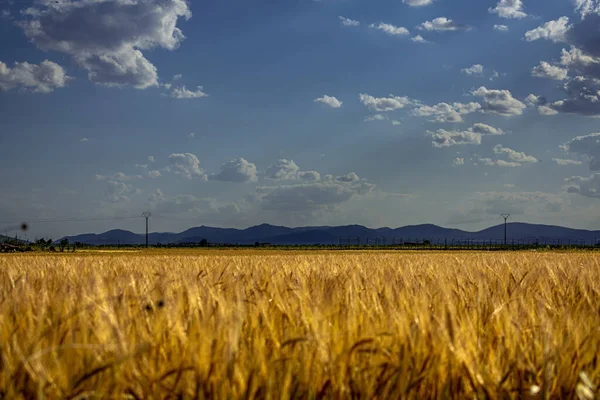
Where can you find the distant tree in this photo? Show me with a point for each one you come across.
(63, 244)
(49, 242)
(204, 243)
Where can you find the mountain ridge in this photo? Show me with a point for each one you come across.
(311, 235)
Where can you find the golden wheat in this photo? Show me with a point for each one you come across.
(268, 324)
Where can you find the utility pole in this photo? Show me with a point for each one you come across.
(146, 215)
(506, 217)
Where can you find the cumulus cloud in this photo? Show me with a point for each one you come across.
(154, 174)
(186, 165)
(501, 28)
(476, 69)
(391, 29)
(151, 158)
(488, 162)
(376, 117)
(562, 161)
(348, 22)
(509, 9)
(330, 101)
(445, 138)
(582, 60)
(586, 7)
(181, 92)
(417, 3)
(238, 170)
(107, 37)
(484, 129)
(547, 70)
(42, 78)
(283, 169)
(310, 197)
(484, 206)
(444, 112)
(587, 146)
(419, 39)
(311, 176)
(351, 177)
(499, 102)
(118, 192)
(384, 104)
(514, 155)
(555, 31)
(458, 161)
(442, 24)
(118, 176)
(585, 186)
(186, 203)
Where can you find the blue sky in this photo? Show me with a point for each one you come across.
(234, 113)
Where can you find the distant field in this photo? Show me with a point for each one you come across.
(269, 324)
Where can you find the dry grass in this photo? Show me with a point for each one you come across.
(300, 325)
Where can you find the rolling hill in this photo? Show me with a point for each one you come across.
(280, 235)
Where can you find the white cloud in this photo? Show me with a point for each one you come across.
(348, 22)
(396, 123)
(444, 112)
(330, 101)
(310, 197)
(442, 24)
(106, 38)
(118, 176)
(186, 165)
(177, 77)
(376, 117)
(238, 170)
(391, 29)
(514, 155)
(117, 192)
(586, 7)
(383, 104)
(555, 31)
(458, 161)
(191, 135)
(484, 129)
(418, 39)
(580, 62)
(562, 161)
(312, 176)
(283, 169)
(547, 70)
(488, 162)
(200, 207)
(151, 158)
(42, 78)
(154, 174)
(476, 69)
(473, 135)
(499, 102)
(585, 186)
(444, 138)
(587, 146)
(484, 206)
(509, 9)
(181, 92)
(417, 3)
(351, 177)
(501, 28)
(84, 139)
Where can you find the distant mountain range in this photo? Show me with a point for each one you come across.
(280, 235)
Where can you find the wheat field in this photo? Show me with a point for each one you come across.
(310, 325)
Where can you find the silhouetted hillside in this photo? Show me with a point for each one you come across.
(331, 234)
